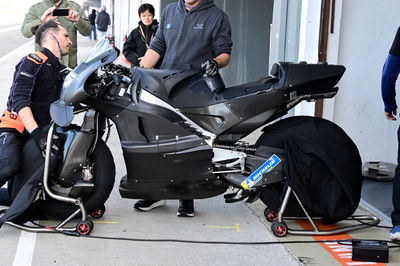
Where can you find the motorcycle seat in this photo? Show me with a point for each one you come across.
(263, 84)
(306, 78)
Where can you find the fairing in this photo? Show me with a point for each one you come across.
(73, 89)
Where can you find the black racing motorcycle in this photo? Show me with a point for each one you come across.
(180, 133)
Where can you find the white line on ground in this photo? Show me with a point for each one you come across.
(25, 248)
(10, 29)
(15, 51)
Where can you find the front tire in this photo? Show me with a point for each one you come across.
(104, 177)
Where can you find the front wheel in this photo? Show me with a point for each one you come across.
(103, 179)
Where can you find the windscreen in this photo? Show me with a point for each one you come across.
(73, 88)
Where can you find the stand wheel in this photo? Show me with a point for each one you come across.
(279, 228)
(99, 212)
(270, 215)
(84, 227)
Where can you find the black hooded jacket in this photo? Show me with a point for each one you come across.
(138, 41)
(185, 38)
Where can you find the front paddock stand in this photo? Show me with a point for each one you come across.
(280, 228)
(83, 227)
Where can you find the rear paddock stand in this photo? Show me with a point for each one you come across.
(280, 229)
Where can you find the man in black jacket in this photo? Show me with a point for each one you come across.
(36, 84)
(102, 22)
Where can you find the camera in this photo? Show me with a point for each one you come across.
(61, 12)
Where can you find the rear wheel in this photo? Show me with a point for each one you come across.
(103, 179)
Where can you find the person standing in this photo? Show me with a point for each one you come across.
(139, 39)
(193, 34)
(75, 21)
(36, 84)
(102, 21)
(92, 19)
(390, 73)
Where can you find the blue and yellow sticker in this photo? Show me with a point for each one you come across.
(258, 174)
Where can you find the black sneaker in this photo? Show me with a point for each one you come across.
(147, 205)
(186, 208)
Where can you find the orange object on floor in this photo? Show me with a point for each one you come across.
(342, 253)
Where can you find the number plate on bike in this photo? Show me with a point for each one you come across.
(257, 175)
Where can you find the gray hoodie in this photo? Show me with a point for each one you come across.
(187, 38)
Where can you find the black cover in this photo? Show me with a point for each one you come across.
(323, 165)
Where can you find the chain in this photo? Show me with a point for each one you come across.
(236, 148)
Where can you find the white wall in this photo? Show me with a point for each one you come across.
(308, 43)
(367, 31)
(333, 55)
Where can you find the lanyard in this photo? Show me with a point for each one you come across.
(144, 36)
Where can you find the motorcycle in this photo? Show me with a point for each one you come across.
(180, 133)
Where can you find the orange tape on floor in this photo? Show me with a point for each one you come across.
(342, 253)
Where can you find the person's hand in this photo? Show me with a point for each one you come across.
(210, 66)
(39, 135)
(391, 115)
(48, 15)
(73, 15)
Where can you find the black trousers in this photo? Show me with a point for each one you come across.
(396, 186)
(11, 143)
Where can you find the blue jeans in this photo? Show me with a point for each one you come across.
(93, 32)
(396, 186)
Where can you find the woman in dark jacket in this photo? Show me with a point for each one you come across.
(139, 39)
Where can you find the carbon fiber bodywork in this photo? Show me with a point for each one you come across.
(169, 121)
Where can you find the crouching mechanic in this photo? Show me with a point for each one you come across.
(36, 84)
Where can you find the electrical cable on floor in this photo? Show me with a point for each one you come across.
(374, 225)
(397, 245)
(347, 242)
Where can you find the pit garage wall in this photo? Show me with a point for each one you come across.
(363, 33)
(367, 29)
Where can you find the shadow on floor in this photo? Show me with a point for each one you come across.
(378, 194)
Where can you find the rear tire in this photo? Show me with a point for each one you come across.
(104, 176)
